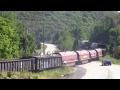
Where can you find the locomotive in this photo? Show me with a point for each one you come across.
(89, 52)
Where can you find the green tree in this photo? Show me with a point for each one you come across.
(30, 45)
(117, 54)
(9, 39)
(14, 41)
(76, 44)
(65, 41)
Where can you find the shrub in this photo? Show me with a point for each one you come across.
(9, 74)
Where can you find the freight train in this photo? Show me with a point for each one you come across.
(90, 52)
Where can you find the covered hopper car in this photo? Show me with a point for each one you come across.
(70, 58)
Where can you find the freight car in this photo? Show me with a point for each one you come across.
(85, 44)
(83, 56)
(70, 58)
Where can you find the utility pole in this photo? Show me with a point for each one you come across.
(113, 52)
(25, 40)
(43, 42)
(115, 45)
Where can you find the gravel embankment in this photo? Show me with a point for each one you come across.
(77, 74)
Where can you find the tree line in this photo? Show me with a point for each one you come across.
(63, 26)
(15, 42)
(108, 32)
(22, 31)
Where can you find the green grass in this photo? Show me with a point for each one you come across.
(47, 74)
(114, 61)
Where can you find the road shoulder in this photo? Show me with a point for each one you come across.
(77, 74)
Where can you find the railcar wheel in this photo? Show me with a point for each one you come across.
(90, 60)
(78, 62)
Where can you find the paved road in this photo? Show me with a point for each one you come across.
(94, 70)
(50, 48)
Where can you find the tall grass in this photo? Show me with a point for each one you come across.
(113, 60)
(47, 74)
